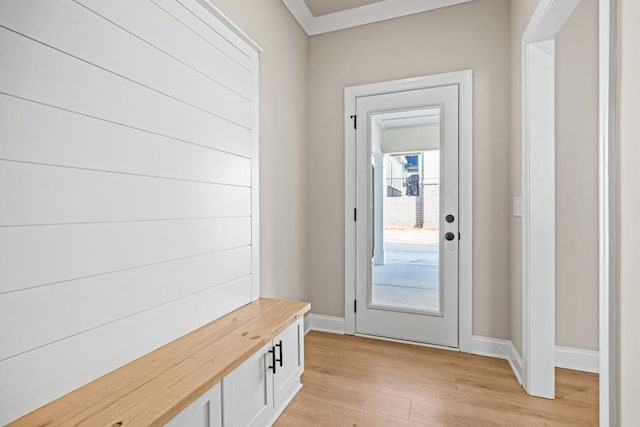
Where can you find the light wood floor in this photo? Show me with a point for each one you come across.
(352, 381)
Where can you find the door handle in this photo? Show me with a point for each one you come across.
(279, 345)
(449, 236)
(273, 360)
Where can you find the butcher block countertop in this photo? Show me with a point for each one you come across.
(153, 389)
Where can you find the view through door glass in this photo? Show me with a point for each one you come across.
(406, 160)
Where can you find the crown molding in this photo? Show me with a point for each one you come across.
(375, 12)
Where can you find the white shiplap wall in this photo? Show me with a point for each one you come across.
(128, 185)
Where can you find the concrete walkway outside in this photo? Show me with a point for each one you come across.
(409, 278)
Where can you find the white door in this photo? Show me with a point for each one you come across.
(407, 215)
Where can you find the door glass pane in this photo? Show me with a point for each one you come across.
(405, 210)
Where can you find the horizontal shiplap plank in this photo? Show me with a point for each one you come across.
(35, 194)
(159, 28)
(215, 33)
(73, 140)
(32, 318)
(61, 367)
(34, 71)
(37, 256)
(64, 25)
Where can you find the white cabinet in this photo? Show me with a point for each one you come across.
(248, 391)
(258, 390)
(289, 345)
(206, 411)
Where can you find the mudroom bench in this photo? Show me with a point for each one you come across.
(248, 362)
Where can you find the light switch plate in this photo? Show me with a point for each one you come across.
(517, 206)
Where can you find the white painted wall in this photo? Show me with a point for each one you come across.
(577, 180)
(443, 40)
(126, 159)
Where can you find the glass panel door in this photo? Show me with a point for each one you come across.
(405, 263)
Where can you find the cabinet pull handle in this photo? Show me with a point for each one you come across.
(279, 345)
(273, 359)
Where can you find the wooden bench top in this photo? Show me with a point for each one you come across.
(153, 389)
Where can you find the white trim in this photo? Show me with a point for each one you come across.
(367, 14)
(607, 165)
(499, 349)
(349, 206)
(538, 194)
(464, 80)
(515, 361)
(564, 357)
(491, 347)
(255, 183)
(322, 323)
(577, 359)
(213, 9)
(465, 207)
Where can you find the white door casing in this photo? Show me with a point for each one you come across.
(464, 81)
(608, 199)
(538, 195)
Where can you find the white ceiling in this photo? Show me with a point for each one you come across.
(323, 7)
(400, 119)
(333, 15)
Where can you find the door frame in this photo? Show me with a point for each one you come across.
(608, 211)
(538, 195)
(464, 80)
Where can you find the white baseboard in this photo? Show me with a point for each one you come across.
(515, 360)
(322, 323)
(500, 349)
(578, 359)
(492, 347)
(567, 358)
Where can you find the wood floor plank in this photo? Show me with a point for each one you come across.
(354, 381)
(359, 397)
(310, 411)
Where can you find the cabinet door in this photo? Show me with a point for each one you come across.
(248, 392)
(206, 411)
(289, 347)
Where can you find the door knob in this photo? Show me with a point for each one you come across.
(450, 218)
(449, 236)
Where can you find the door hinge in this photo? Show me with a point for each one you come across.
(459, 236)
(355, 121)
(355, 214)
(355, 306)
